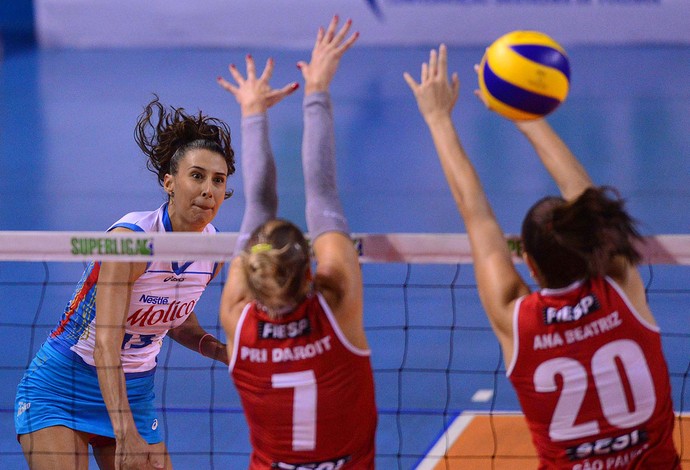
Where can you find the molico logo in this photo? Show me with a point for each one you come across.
(152, 316)
(112, 246)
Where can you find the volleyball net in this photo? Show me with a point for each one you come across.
(443, 399)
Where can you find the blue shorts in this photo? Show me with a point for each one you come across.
(59, 391)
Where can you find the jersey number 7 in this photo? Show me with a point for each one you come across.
(303, 406)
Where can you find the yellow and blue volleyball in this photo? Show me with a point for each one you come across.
(524, 75)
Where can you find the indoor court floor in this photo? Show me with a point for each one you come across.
(68, 162)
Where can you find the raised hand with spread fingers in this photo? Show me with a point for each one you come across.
(325, 57)
(255, 94)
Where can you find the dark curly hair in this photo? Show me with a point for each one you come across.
(166, 134)
(578, 239)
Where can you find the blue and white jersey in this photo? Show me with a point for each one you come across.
(161, 299)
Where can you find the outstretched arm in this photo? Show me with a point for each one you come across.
(324, 212)
(338, 276)
(255, 95)
(498, 282)
(572, 180)
(570, 176)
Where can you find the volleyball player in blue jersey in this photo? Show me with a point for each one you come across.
(91, 382)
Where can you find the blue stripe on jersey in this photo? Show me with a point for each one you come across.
(132, 227)
(173, 272)
(166, 219)
(180, 269)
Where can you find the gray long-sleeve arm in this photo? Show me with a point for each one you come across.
(259, 176)
(324, 212)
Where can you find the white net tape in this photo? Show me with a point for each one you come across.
(434, 248)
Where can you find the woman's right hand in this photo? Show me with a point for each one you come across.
(134, 453)
(329, 48)
(254, 94)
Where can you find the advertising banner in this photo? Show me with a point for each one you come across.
(291, 23)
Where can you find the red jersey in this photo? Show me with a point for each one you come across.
(592, 380)
(307, 393)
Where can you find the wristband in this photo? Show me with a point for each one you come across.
(202, 340)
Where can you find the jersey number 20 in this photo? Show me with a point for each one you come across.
(609, 385)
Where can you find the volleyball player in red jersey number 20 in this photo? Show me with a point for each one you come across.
(583, 352)
(298, 353)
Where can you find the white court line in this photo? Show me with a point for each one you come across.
(451, 434)
(458, 426)
(482, 395)
(446, 440)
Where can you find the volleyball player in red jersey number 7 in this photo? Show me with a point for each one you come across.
(583, 352)
(298, 353)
